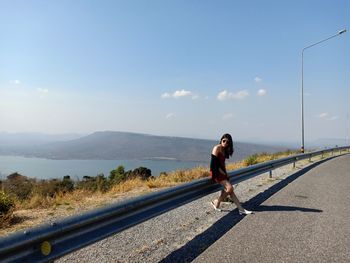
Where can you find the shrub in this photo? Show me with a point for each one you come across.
(46, 188)
(142, 173)
(251, 160)
(118, 175)
(163, 174)
(88, 183)
(50, 188)
(6, 208)
(93, 183)
(39, 201)
(101, 183)
(66, 185)
(19, 186)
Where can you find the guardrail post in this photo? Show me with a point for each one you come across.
(332, 152)
(310, 158)
(270, 173)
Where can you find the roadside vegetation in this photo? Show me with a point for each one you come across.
(19, 192)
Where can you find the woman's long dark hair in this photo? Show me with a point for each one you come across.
(229, 149)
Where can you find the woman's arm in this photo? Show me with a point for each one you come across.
(222, 171)
(216, 150)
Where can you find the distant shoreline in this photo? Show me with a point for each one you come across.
(160, 158)
(43, 168)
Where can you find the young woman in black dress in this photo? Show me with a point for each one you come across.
(220, 153)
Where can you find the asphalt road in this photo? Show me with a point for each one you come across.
(306, 221)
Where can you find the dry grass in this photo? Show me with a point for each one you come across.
(6, 219)
(38, 209)
(136, 186)
(235, 165)
(178, 177)
(127, 186)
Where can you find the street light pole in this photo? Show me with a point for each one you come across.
(302, 85)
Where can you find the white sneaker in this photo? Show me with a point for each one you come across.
(216, 209)
(245, 212)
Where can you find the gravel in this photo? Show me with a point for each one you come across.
(183, 233)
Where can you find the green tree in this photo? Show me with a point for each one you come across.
(142, 172)
(88, 183)
(7, 205)
(66, 185)
(19, 185)
(101, 183)
(117, 175)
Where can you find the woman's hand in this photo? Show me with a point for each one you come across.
(222, 172)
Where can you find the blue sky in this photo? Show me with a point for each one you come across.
(180, 68)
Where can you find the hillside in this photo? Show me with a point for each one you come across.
(110, 145)
(32, 138)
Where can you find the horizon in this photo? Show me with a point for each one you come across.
(183, 69)
(295, 144)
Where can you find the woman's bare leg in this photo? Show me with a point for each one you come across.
(228, 190)
(236, 201)
(238, 204)
(221, 198)
(224, 193)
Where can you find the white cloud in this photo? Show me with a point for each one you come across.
(327, 116)
(170, 115)
(257, 79)
(240, 95)
(179, 94)
(223, 95)
(15, 82)
(166, 95)
(227, 116)
(261, 92)
(42, 92)
(323, 115)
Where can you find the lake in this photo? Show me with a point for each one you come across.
(46, 168)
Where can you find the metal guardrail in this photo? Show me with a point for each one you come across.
(51, 241)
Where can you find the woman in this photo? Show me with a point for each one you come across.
(218, 173)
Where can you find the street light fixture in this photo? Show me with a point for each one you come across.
(302, 84)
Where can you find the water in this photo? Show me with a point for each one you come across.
(46, 168)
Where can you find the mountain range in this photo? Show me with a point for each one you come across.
(114, 145)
